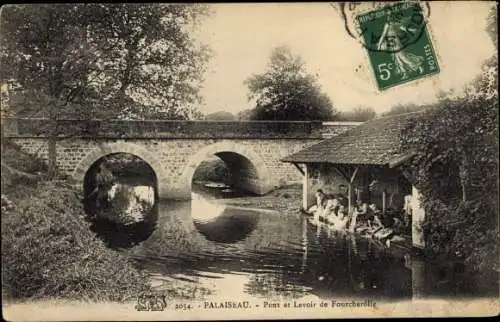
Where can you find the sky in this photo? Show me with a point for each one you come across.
(243, 35)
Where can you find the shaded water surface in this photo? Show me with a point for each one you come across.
(262, 254)
(124, 216)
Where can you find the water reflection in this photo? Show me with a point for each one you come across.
(118, 235)
(282, 255)
(221, 223)
(228, 228)
(124, 215)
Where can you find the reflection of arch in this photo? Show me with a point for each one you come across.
(105, 149)
(232, 153)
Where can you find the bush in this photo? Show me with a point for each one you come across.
(464, 232)
(48, 250)
(126, 165)
(213, 170)
(455, 167)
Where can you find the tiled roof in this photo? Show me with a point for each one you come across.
(374, 142)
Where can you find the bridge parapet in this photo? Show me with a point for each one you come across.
(172, 129)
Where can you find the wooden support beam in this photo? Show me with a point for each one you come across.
(337, 170)
(401, 159)
(305, 188)
(341, 172)
(298, 167)
(354, 175)
(383, 200)
(351, 180)
(349, 198)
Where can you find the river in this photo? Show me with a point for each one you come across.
(247, 253)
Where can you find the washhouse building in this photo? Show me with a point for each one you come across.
(364, 164)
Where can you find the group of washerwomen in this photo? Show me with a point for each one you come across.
(364, 218)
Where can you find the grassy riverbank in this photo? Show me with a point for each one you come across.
(48, 250)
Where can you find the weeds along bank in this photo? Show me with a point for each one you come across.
(48, 249)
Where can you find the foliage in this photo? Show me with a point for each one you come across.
(287, 92)
(359, 114)
(128, 166)
(492, 24)
(456, 170)
(102, 60)
(462, 231)
(48, 250)
(220, 115)
(244, 115)
(214, 170)
(89, 61)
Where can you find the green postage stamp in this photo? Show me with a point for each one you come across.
(398, 44)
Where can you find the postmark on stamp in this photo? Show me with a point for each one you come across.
(397, 42)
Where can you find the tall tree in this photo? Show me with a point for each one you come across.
(287, 92)
(492, 24)
(41, 56)
(101, 61)
(36, 41)
(149, 65)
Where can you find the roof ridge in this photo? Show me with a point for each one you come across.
(371, 142)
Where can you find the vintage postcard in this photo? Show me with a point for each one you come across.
(249, 161)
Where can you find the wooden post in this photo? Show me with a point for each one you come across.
(383, 200)
(349, 200)
(354, 174)
(305, 188)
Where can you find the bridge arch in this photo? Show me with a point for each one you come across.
(235, 155)
(105, 149)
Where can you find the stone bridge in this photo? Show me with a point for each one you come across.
(174, 149)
